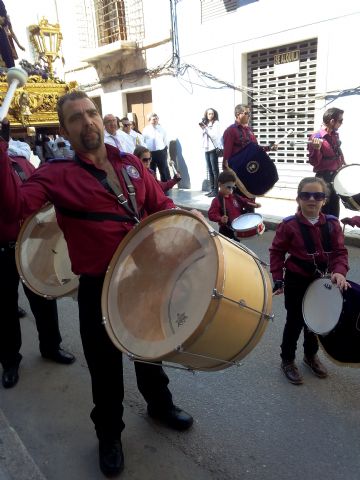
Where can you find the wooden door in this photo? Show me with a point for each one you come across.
(140, 104)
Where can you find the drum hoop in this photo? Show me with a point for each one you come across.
(214, 303)
(261, 221)
(340, 170)
(19, 242)
(303, 304)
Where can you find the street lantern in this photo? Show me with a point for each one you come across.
(46, 39)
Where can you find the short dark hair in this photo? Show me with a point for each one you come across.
(239, 109)
(226, 176)
(332, 114)
(140, 150)
(71, 96)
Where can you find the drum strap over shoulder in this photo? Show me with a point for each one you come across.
(113, 189)
(19, 171)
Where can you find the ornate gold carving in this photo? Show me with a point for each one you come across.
(35, 103)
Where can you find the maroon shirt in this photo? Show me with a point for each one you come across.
(165, 186)
(289, 241)
(329, 157)
(234, 205)
(10, 231)
(66, 184)
(236, 137)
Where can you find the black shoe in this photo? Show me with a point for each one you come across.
(174, 417)
(59, 356)
(291, 372)
(21, 312)
(212, 194)
(10, 376)
(111, 457)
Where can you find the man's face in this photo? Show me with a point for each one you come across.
(243, 117)
(154, 120)
(110, 124)
(83, 126)
(126, 126)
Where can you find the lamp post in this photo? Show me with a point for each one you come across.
(46, 39)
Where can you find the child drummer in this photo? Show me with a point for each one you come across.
(227, 206)
(305, 246)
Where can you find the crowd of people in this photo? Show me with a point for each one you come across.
(92, 195)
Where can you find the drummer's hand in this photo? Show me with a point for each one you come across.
(198, 214)
(255, 204)
(274, 147)
(353, 222)
(5, 129)
(340, 281)
(278, 287)
(224, 219)
(316, 143)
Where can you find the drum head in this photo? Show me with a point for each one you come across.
(346, 181)
(247, 221)
(42, 256)
(322, 306)
(159, 284)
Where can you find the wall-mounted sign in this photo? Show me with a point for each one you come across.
(287, 63)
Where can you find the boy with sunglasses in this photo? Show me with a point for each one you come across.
(306, 246)
(227, 206)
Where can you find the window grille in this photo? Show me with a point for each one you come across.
(119, 20)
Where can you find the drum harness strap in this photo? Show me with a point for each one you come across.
(316, 269)
(19, 171)
(114, 190)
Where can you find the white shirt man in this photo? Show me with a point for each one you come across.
(135, 137)
(116, 137)
(154, 135)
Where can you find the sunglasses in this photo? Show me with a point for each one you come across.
(146, 159)
(317, 196)
(245, 113)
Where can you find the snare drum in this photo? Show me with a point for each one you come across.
(173, 291)
(346, 185)
(248, 225)
(42, 257)
(322, 306)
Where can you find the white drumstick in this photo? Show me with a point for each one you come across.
(16, 77)
(289, 132)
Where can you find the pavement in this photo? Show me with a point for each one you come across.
(16, 463)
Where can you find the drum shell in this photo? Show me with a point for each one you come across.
(342, 344)
(227, 331)
(42, 256)
(257, 229)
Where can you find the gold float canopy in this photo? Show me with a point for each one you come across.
(34, 104)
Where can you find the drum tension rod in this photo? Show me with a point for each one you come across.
(214, 233)
(180, 349)
(242, 303)
(133, 358)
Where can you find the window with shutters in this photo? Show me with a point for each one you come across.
(282, 97)
(211, 9)
(119, 20)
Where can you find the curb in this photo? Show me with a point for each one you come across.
(15, 461)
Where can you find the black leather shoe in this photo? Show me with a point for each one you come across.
(291, 372)
(59, 356)
(10, 376)
(111, 457)
(174, 417)
(21, 312)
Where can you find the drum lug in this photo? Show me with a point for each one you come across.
(103, 321)
(242, 304)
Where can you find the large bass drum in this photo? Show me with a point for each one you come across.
(42, 257)
(177, 291)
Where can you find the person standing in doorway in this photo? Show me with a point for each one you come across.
(155, 140)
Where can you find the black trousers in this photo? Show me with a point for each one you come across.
(44, 311)
(105, 365)
(212, 163)
(294, 291)
(332, 206)
(159, 160)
